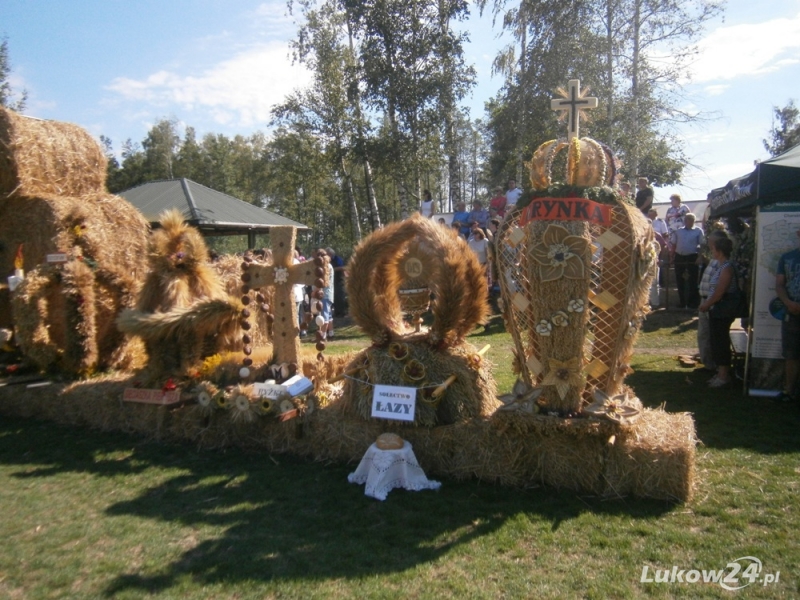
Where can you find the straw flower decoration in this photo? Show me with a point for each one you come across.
(398, 351)
(265, 405)
(241, 407)
(206, 393)
(414, 370)
(647, 259)
(210, 365)
(575, 306)
(544, 327)
(522, 398)
(619, 409)
(564, 375)
(560, 254)
(560, 319)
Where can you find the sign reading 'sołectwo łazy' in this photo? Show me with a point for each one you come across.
(392, 402)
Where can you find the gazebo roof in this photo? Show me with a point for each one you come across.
(212, 212)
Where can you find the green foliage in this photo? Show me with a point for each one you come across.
(613, 47)
(8, 97)
(785, 132)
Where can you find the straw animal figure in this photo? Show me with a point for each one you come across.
(183, 313)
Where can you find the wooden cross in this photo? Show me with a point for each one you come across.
(574, 103)
(282, 275)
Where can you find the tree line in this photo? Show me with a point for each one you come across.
(382, 119)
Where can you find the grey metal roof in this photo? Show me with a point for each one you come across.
(202, 207)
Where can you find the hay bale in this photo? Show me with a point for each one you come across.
(654, 457)
(40, 157)
(472, 394)
(64, 315)
(106, 230)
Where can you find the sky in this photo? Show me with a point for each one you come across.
(115, 68)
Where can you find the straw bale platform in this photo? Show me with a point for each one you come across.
(653, 457)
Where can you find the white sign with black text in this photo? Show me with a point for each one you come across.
(393, 402)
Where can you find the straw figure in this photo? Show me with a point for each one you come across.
(183, 313)
(576, 263)
(426, 261)
(53, 202)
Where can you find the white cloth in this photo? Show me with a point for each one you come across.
(385, 470)
(426, 208)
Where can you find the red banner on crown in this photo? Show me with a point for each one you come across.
(566, 209)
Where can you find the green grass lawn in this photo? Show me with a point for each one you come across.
(100, 515)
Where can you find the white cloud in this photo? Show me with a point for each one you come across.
(716, 90)
(750, 49)
(239, 91)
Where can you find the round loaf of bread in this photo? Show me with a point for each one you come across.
(389, 441)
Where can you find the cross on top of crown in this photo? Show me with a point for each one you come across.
(573, 102)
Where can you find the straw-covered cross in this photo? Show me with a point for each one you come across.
(283, 275)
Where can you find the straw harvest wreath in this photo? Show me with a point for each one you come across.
(421, 256)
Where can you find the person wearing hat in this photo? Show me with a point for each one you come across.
(498, 203)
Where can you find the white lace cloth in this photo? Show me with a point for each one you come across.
(385, 470)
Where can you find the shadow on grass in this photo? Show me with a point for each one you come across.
(290, 522)
(724, 417)
(676, 320)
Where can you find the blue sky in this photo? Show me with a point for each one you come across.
(116, 67)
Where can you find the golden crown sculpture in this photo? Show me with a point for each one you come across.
(589, 163)
(575, 265)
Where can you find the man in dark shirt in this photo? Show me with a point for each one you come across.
(644, 195)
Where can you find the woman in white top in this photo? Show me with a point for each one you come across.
(480, 246)
(427, 208)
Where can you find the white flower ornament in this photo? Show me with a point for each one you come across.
(544, 327)
(575, 306)
(281, 275)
